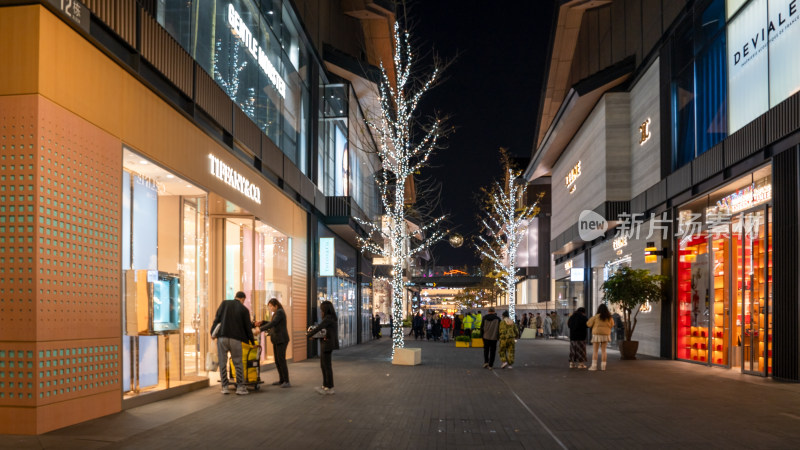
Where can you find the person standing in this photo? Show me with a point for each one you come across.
(564, 329)
(457, 326)
(548, 326)
(556, 325)
(577, 338)
(477, 321)
(490, 332)
(601, 324)
(416, 325)
(525, 323)
(538, 323)
(467, 323)
(376, 327)
(447, 324)
(508, 335)
(328, 344)
(233, 319)
(619, 328)
(280, 340)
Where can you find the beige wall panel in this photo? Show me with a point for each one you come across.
(618, 161)
(645, 158)
(73, 74)
(590, 191)
(19, 50)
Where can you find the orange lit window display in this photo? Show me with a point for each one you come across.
(724, 277)
(693, 298)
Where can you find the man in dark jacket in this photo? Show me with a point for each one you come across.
(490, 331)
(577, 338)
(235, 328)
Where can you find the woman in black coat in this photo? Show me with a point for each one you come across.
(280, 340)
(329, 343)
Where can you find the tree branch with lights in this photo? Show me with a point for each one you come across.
(505, 219)
(402, 155)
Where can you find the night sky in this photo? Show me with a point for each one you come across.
(490, 92)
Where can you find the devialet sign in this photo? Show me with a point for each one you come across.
(234, 179)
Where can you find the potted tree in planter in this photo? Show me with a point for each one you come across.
(477, 340)
(629, 289)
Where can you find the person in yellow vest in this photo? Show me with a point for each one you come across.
(467, 324)
(478, 320)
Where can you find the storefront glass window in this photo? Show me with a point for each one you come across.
(699, 88)
(272, 280)
(342, 289)
(164, 265)
(724, 273)
(254, 51)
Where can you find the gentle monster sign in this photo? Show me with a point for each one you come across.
(240, 29)
(234, 179)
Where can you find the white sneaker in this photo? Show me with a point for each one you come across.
(329, 391)
(572, 365)
(503, 366)
(510, 367)
(242, 390)
(225, 390)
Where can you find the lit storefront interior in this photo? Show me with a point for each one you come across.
(724, 276)
(181, 245)
(569, 290)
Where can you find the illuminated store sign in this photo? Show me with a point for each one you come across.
(234, 179)
(326, 257)
(568, 266)
(763, 68)
(644, 132)
(619, 243)
(746, 197)
(240, 29)
(573, 175)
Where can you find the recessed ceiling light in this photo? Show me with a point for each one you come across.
(170, 176)
(189, 185)
(143, 162)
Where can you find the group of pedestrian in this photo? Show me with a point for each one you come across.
(232, 327)
(433, 327)
(492, 330)
(551, 326)
(601, 324)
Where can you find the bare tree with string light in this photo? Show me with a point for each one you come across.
(505, 220)
(402, 154)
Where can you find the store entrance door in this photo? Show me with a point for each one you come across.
(753, 286)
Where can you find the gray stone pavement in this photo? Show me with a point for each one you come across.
(451, 402)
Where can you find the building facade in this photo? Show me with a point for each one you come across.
(157, 157)
(673, 126)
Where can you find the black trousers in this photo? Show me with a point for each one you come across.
(489, 351)
(327, 368)
(280, 361)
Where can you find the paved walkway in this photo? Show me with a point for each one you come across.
(451, 402)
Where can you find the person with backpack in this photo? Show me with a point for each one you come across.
(490, 332)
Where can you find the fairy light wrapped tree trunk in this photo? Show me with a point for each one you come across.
(505, 224)
(401, 155)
